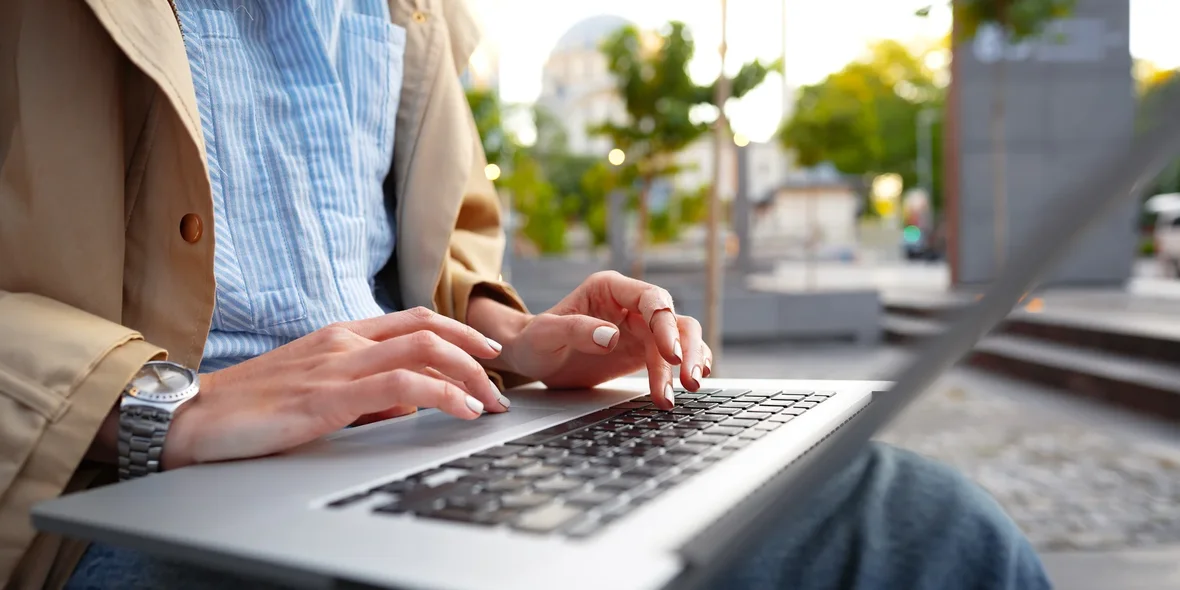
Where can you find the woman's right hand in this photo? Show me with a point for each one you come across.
(331, 378)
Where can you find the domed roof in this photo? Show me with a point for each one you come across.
(588, 33)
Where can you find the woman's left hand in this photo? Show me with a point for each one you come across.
(609, 327)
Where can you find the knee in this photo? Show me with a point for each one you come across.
(934, 509)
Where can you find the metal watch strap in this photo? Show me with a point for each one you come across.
(142, 431)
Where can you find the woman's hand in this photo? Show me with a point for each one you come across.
(330, 379)
(609, 327)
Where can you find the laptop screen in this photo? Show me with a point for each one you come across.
(1086, 201)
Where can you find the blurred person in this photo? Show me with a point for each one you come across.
(289, 195)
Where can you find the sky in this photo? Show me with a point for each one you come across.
(822, 36)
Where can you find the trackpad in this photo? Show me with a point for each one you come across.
(431, 428)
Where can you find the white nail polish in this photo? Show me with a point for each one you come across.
(495, 345)
(504, 401)
(604, 334)
(676, 351)
(669, 394)
(696, 373)
(474, 405)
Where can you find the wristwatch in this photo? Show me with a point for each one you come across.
(146, 410)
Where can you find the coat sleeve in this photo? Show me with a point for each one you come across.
(476, 252)
(61, 371)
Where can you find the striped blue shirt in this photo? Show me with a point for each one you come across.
(298, 100)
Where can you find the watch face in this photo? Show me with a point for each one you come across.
(163, 382)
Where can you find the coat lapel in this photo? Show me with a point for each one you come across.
(148, 33)
(433, 149)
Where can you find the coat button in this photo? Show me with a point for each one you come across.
(190, 228)
(419, 16)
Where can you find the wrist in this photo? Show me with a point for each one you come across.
(179, 444)
(499, 322)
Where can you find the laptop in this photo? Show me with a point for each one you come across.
(590, 489)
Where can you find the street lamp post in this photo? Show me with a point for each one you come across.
(715, 255)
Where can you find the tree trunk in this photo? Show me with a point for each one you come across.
(637, 264)
(715, 255)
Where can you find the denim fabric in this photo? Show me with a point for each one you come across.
(890, 520)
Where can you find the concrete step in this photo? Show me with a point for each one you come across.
(1129, 569)
(1145, 385)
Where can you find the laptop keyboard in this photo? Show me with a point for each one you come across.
(574, 478)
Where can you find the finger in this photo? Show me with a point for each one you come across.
(402, 323)
(692, 367)
(659, 377)
(578, 332)
(707, 354)
(426, 349)
(650, 301)
(402, 387)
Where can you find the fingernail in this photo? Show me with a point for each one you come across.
(669, 394)
(604, 334)
(474, 405)
(495, 345)
(676, 351)
(696, 374)
(504, 401)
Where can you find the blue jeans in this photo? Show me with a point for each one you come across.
(891, 519)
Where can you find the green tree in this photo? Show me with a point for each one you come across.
(651, 77)
(863, 119)
(488, 113)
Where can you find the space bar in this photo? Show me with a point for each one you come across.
(543, 436)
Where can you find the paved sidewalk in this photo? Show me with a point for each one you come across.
(1075, 475)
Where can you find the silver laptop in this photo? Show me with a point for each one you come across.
(592, 489)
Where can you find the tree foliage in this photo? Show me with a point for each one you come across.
(1020, 19)
(863, 119)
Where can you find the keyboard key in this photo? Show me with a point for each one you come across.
(486, 475)
(735, 444)
(674, 481)
(805, 405)
(752, 415)
(544, 436)
(559, 485)
(778, 403)
(697, 424)
(815, 398)
(397, 487)
(688, 448)
(711, 416)
(459, 515)
(824, 393)
(768, 425)
(726, 409)
(790, 397)
(689, 396)
(425, 499)
(699, 406)
(732, 393)
(667, 461)
(470, 462)
(590, 499)
(647, 471)
(589, 473)
(643, 398)
(507, 485)
(708, 439)
(537, 471)
(685, 410)
(546, 518)
(501, 451)
(781, 418)
(525, 500)
(622, 483)
(515, 462)
(723, 430)
(753, 433)
(751, 399)
(481, 502)
(733, 404)
(714, 400)
(794, 411)
(739, 423)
